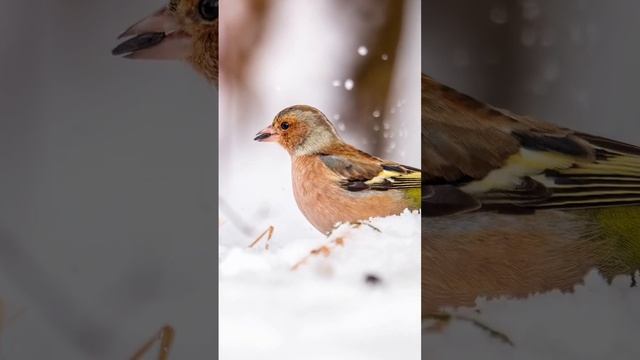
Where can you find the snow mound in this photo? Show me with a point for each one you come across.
(596, 321)
(362, 301)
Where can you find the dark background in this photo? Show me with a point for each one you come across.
(572, 62)
(108, 203)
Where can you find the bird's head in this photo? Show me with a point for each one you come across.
(183, 30)
(301, 130)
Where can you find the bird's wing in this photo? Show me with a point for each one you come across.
(610, 178)
(458, 144)
(369, 173)
(478, 157)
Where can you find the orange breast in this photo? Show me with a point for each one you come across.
(492, 255)
(324, 203)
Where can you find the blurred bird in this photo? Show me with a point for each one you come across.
(514, 206)
(183, 30)
(333, 181)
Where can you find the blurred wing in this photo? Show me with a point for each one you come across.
(370, 173)
(454, 154)
(478, 157)
(612, 178)
(442, 200)
(462, 138)
(568, 171)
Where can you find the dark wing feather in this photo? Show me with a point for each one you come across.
(516, 164)
(458, 144)
(369, 173)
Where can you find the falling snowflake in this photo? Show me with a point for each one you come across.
(348, 84)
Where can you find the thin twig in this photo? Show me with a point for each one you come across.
(443, 319)
(266, 245)
(324, 250)
(165, 336)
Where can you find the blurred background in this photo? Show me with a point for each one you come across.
(355, 61)
(573, 63)
(570, 62)
(107, 189)
(359, 63)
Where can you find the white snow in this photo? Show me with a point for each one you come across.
(597, 321)
(325, 309)
(349, 84)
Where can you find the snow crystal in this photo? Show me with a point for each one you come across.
(597, 321)
(348, 84)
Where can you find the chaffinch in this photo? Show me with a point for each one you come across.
(183, 30)
(334, 181)
(514, 206)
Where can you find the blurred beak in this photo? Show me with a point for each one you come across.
(267, 135)
(156, 37)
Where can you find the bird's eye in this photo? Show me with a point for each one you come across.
(208, 9)
(284, 125)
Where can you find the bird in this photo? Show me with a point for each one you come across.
(514, 206)
(334, 182)
(183, 30)
(513, 238)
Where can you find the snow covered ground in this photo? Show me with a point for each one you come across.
(326, 309)
(597, 321)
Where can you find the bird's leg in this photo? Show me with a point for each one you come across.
(354, 224)
(332, 244)
(324, 250)
(357, 224)
(269, 231)
(165, 337)
(442, 320)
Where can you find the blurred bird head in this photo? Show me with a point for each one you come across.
(183, 30)
(301, 130)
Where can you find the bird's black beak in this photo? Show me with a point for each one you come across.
(155, 37)
(140, 42)
(262, 137)
(267, 135)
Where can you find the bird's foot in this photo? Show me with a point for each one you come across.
(357, 224)
(354, 224)
(269, 233)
